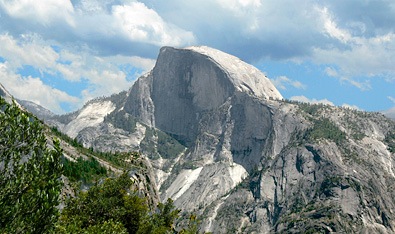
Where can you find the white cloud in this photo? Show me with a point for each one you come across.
(362, 85)
(363, 55)
(92, 6)
(145, 64)
(26, 51)
(43, 11)
(331, 72)
(331, 28)
(33, 89)
(240, 5)
(119, 26)
(322, 101)
(142, 24)
(392, 99)
(313, 100)
(103, 74)
(353, 107)
(282, 82)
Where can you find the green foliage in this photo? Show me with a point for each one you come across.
(29, 173)
(193, 225)
(30, 186)
(72, 142)
(119, 159)
(323, 128)
(111, 201)
(115, 205)
(311, 109)
(162, 221)
(85, 170)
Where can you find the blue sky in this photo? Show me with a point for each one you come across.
(61, 53)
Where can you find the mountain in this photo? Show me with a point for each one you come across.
(224, 144)
(36, 109)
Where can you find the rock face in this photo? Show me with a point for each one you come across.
(36, 110)
(187, 83)
(5, 94)
(223, 144)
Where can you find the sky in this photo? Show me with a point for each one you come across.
(62, 53)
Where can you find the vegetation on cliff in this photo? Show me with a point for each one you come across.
(30, 187)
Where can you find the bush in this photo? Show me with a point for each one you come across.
(323, 128)
(85, 170)
(114, 204)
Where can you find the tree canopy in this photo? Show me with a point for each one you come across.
(29, 173)
(30, 186)
(114, 205)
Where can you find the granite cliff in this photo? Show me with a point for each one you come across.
(224, 144)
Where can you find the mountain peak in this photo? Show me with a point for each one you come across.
(244, 76)
(187, 83)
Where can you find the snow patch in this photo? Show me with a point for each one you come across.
(182, 183)
(245, 77)
(91, 115)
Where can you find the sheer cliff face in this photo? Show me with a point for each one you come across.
(224, 145)
(187, 83)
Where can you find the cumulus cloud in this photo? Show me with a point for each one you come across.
(322, 101)
(313, 100)
(356, 37)
(44, 11)
(282, 82)
(353, 107)
(109, 27)
(331, 28)
(142, 24)
(363, 54)
(33, 89)
(26, 50)
(102, 74)
(240, 6)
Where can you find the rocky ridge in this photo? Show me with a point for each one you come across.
(138, 168)
(223, 144)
